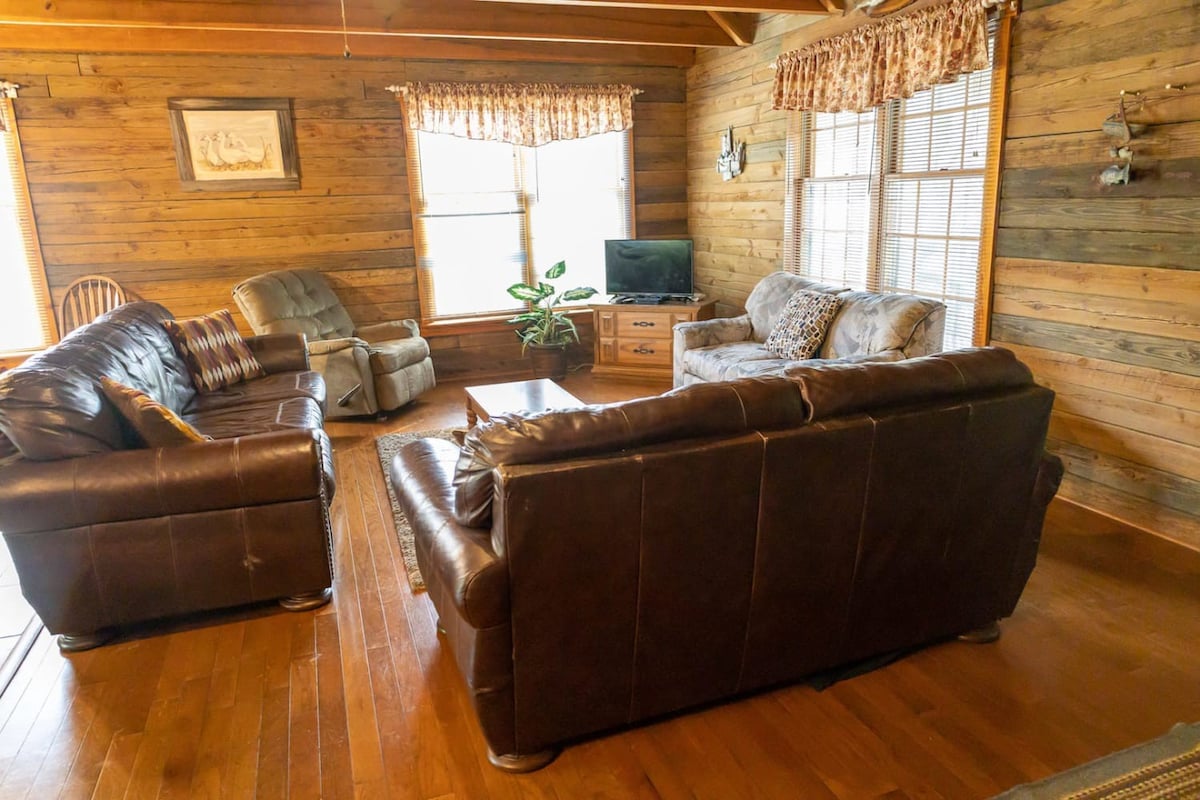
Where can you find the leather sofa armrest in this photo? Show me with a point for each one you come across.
(323, 347)
(461, 560)
(1045, 486)
(389, 331)
(274, 467)
(279, 352)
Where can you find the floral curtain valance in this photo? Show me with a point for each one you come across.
(524, 114)
(890, 60)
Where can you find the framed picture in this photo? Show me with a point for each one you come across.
(231, 144)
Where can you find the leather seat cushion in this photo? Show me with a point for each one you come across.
(259, 417)
(276, 387)
(397, 354)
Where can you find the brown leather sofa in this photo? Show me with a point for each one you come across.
(597, 567)
(105, 535)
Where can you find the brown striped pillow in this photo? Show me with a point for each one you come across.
(214, 351)
(155, 424)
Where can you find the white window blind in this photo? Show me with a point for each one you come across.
(26, 315)
(491, 214)
(892, 199)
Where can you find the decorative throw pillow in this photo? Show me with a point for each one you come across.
(214, 351)
(157, 425)
(802, 325)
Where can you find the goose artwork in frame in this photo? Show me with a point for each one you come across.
(231, 144)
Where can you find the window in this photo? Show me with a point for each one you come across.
(892, 199)
(491, 214)
(26, 319)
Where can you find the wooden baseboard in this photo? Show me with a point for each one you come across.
(1077, 531)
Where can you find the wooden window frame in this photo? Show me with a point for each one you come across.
(490, 322)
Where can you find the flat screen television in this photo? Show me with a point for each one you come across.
(648, 270)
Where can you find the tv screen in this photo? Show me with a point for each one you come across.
(648, 267)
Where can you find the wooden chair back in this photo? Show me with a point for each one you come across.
(87, 298)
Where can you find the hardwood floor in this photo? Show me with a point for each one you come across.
(360, 699)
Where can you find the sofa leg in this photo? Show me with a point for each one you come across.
(985, 635)
(307, 601)
(78, 642)
(526, 763)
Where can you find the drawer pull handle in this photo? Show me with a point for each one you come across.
(643, 324)
(643, 351)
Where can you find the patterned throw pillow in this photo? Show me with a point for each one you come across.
(157, 425)
(214, 351)
(802, 325)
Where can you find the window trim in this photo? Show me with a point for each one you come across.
(796, 166)
(33, 255)
(491, 322)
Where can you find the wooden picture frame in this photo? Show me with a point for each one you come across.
(230, 144)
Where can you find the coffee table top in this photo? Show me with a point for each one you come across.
(535, 395)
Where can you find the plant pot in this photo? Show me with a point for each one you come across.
(548, 360)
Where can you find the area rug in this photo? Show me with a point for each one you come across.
(388, 445)
(1166, 768)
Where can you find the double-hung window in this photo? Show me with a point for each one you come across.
(892, 199)
(490, 214)
(26, 318)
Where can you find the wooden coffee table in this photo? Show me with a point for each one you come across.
(536, 395)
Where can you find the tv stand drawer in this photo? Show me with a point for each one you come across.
(635, 341)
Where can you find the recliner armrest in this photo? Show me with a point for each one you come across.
(389, 331)
(323, 347)
(279, 352)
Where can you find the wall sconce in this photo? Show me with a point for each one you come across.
(732, 157)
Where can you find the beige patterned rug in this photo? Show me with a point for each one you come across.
(388, 445)
(1166, 768)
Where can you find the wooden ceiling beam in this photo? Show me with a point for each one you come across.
(736, 6)
(740, 27)
(458, 19)
(66, 38)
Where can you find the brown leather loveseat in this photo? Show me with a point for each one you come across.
(105, 534)
(593, 568)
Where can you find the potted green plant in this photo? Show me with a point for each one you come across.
(545, 331)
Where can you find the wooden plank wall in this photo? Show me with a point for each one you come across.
(1096, 287)
(107, 196)
(737, 225)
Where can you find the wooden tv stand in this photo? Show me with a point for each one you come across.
(634, 340)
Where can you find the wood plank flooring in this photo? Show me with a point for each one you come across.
(361, 700)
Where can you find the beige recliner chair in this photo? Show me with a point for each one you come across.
(367, 369)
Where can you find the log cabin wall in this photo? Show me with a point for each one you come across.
(107, 196)
(1096, 287)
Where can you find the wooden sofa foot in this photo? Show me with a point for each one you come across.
(78, 642)
(985, 635)
(526, 763)
(307, 601)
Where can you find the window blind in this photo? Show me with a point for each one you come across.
(490, 214)
(26, 314)
(898, 198)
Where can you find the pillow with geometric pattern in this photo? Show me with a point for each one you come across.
(802, 324)
(215, 353)
(155, 424)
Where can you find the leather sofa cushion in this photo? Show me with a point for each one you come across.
(281, 386)
(258, 417)
(51, 406)
(702, 410)
(387, 357)
(838, 389)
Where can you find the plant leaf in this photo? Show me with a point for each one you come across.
(523, 291)
(578, 293)
(556, 271)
